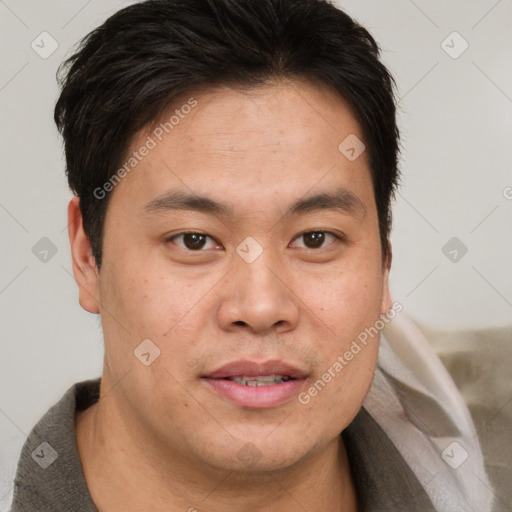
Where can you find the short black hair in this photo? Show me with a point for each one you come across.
(127, 71)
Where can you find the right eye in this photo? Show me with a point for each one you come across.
(191, 240)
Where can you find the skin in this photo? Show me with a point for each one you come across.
(159, 435)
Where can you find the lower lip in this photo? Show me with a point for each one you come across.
(256, 397)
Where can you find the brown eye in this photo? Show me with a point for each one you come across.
(191, 241)
(194, 240)
(316, 239)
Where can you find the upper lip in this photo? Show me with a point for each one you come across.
(253, 369)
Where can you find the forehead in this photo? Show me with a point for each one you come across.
(278, 139)
(270, 116)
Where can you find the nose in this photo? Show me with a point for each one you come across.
(258, 296)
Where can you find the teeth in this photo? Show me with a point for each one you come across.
(260, 380)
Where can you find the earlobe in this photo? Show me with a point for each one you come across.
(84, 264)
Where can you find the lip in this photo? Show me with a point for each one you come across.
(256, 397)
(254, 368)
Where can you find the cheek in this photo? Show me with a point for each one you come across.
(332, 401)
(345, 307)
(343, 374)
(148, 299)
(344, 301)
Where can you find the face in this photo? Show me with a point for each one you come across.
(244, 243)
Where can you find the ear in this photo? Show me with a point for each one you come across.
(386, 296)
(85, 269)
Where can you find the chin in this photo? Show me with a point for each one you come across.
(257, 456)
(260, 464)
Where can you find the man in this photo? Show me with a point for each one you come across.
(233, 164)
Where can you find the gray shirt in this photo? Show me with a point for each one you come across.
(49, 476)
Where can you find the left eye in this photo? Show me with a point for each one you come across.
(315, 239)
(192, 241)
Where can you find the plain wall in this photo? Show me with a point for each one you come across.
(456, 124)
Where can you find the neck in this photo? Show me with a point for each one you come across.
(124, 468)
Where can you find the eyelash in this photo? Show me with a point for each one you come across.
(171, 238)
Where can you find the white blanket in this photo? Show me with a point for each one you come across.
(415, 401)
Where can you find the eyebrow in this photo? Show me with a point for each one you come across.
(341, 200)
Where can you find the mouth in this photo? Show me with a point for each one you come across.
(256, 385)
(260, 380)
